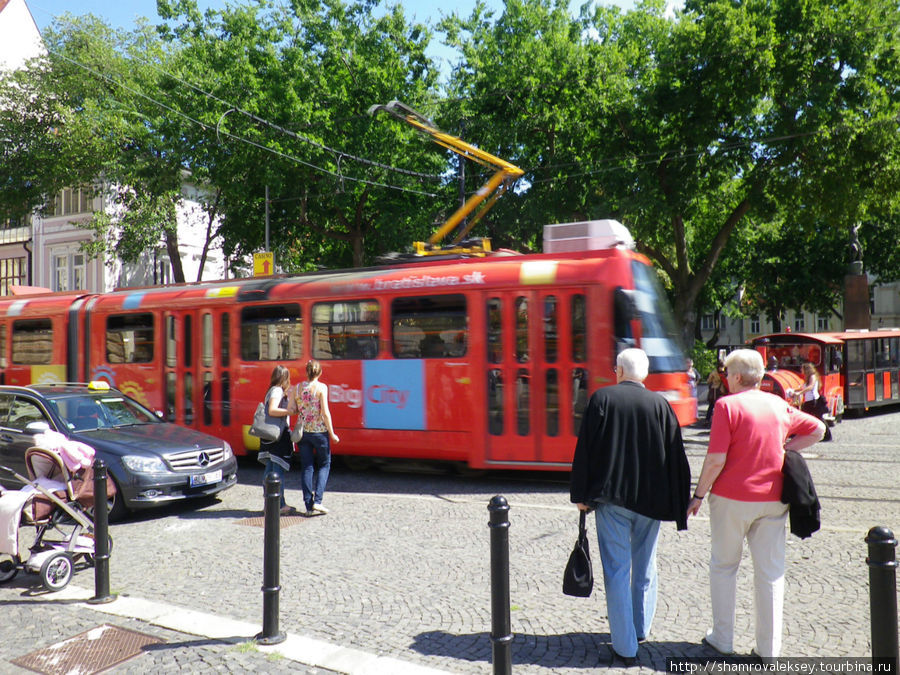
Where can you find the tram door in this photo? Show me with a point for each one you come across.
(179, 367)
(511, 330)
(528, 363)
(885, 368)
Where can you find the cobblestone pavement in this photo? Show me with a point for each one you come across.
(400, 567)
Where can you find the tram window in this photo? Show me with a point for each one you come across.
(580, 395)
(171, 342)
(579, 328)
(226, 339)
(32, 341)
(207, 347)
(552, 393)
(170, 397)
(345, 330)
(869, 354)
(855, 355)
(895, 359)
(494, 331)
(271, 333)
(523, 402)
(551, 335)
(623, 312)
(188, 340)
(207, 398)
(429, 327)
(188, 398)
(522, 329)
(659, 335)
(882, 353)
(129, 338)
(495, 402)
(226, 398)
(3, 346)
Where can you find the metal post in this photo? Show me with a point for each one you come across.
(883, 595)
(501, 632)
(271, 588)
(101, 537)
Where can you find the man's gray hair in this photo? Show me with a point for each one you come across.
(747, 363)
(634, 363)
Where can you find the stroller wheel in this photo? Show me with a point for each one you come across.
(56, 572)
(8, 568)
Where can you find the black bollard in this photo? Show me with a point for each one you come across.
(101, 537)
(271, 545)
(883, 596)
(501, 632)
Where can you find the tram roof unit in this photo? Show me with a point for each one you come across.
(834, 337)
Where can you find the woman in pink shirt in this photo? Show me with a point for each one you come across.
(751, 430)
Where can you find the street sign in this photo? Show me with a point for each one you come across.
(263, 264)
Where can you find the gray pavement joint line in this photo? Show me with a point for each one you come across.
(305, 650)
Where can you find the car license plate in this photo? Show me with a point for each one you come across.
(206, 478)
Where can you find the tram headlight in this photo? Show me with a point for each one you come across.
(144, 464)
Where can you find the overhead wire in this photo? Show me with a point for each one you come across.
(291, 158)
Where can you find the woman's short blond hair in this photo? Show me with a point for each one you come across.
(748, 364)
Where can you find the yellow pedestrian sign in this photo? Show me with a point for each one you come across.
(263, 264)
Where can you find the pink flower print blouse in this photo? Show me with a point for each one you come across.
(310, 409)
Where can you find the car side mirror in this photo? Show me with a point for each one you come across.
(36, 427)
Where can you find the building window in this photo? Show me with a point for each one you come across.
(799, 322)
(754, 323)
(72, 201)
(707, 322)
(12, 273)
(823, 322)
(69, 271)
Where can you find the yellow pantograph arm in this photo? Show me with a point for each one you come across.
(496, 185)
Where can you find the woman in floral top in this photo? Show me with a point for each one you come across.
(310, 400)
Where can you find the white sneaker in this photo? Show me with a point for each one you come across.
(318, 508)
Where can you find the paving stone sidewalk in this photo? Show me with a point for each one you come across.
(400, 569)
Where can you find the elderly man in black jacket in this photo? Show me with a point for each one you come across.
(631, 468)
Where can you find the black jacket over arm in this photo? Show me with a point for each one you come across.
(630, 453)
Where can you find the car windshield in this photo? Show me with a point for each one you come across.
(101, 411)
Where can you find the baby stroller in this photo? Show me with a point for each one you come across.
(55, 500)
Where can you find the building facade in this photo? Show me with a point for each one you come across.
(45, 248)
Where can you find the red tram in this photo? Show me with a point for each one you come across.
(859, 369)
(486, 361)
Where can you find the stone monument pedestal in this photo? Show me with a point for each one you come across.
(856, 302)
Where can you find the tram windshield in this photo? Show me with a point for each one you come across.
(659, 337)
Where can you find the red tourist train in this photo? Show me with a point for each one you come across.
(487, 361)
(860, 369)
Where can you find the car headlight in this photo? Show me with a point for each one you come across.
(229, 453)
(144, 464)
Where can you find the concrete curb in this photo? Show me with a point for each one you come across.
(305, 650)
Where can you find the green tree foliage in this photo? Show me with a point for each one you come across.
(287, 88)
(696, 130)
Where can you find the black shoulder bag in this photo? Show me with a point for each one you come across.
(578, 579)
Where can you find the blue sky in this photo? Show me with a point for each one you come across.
(124, 12)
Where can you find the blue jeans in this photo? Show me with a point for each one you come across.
(627, 543)
(277, 469)
(315, 463)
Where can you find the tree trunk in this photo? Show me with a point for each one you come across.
(174, 256)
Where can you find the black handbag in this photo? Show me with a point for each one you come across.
(578, 579)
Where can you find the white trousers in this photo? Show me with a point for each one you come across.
(763, 525)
